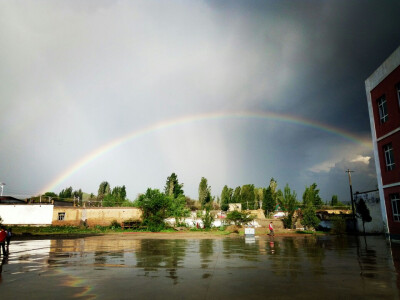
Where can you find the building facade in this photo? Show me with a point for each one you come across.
(383, 95)
(373, 203)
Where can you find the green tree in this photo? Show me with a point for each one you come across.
(269, 202)
(50, 194)
(155, 206)
(104, 189)
(363, 212)
(239, 218)
(78, 194)
(310, 219)
(237, 198)
(207, 217)
(288, 202)
(335, 201)
(248, 197)
(204, 192)
(311, 195)
(66, 193)
(258, 197)
(178, 209)
(226, 197)
(173, 187)
(116, 198)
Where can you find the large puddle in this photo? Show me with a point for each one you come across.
(123, 267)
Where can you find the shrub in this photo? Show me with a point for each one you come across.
(239, 218)
(288, 221)
(338, 225)
(310, 219)
(115, 224)
(207, 218)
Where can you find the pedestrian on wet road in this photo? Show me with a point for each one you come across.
(8, 239)
(3, 236)
(271, 229)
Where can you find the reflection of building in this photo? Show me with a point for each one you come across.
(383, 95)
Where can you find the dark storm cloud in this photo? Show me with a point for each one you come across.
(342, 43)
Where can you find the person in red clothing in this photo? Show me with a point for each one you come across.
(271, 229)
(3, 236)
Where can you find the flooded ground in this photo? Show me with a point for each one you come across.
(126, 267)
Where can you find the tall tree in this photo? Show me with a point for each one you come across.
(258, 197)
(204, 192)
(269, 202)
(311, 195)
(104, 189)
(335, 201)
(236, 198)
(248, 197)
(78, 194)
(66, 193)
(288, 202)
(173, 187)
(226, 197)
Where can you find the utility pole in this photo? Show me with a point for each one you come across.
(351, 193)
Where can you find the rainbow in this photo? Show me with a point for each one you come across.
(262, 115)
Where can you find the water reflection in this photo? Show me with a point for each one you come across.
(165, 254)
(203, 268)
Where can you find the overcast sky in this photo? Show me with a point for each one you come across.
(77, 75)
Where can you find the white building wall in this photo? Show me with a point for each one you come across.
(26, 214)
(372, 200)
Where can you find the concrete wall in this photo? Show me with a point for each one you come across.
(372, 201)
(95, 215)
(26, 214)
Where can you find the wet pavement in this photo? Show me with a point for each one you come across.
(124, 267)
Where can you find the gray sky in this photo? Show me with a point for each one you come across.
(77, 75)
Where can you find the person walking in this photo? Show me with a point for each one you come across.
(3, 236)
(271, 229)
(8, 239)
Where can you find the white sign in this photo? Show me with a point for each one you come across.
(249, 231)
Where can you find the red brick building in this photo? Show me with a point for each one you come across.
(383, 94)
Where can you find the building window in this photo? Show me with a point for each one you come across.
(395, 199)
(383, 114)
(389, 159)
(61, 216)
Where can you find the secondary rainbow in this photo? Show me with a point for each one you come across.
(263, 115)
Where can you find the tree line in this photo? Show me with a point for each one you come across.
(172, 202)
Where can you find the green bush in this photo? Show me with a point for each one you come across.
(338, 225)
(288, 221)
(207, 218)
(239, 218)
(310, 219)
(114, 224)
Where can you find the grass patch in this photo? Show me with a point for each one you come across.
(310, 232)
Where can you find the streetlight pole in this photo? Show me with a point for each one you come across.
(351, 193)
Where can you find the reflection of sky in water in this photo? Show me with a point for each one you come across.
(113, 266)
